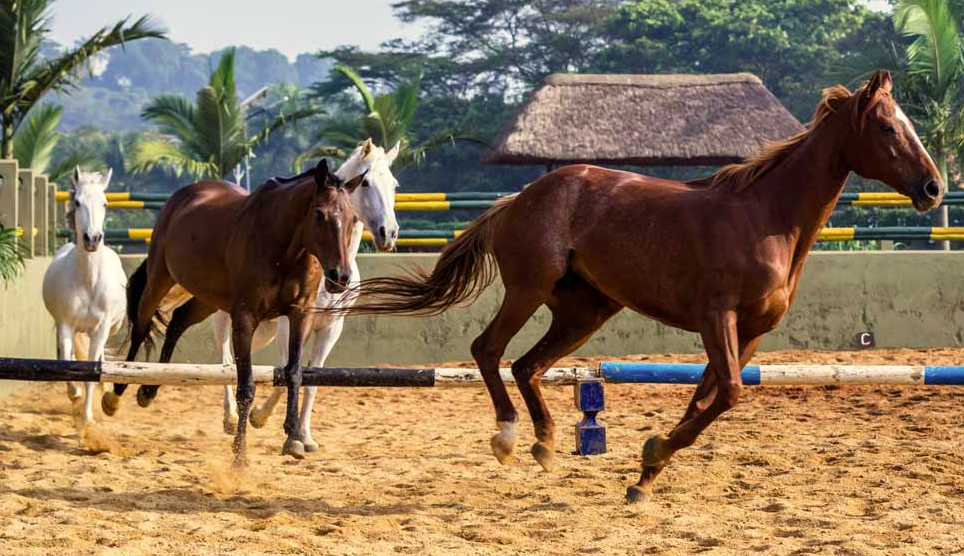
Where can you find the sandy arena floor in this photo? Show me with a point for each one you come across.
(850, 471)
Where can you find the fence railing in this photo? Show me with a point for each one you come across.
(27, 202)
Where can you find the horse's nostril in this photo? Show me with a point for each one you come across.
(932, 190)
(394, 234)
(381, 232)
(86, 237)
(332, 275)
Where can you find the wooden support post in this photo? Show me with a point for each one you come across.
(25, 215)
(590, 434)
(53, 213)
(41, 216)
(9, 207)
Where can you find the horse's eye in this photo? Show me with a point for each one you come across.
(77, 203)
(319, 215)
(886, 128)
(365, 183)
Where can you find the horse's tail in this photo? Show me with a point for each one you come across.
(135, 290)
(464, 269)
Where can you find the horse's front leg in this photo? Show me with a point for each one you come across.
(243, 324)
(325, 340)
(222, 336)
(65, 352)
(299, 325)
(727, 357)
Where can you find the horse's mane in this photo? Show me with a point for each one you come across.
(741, 175)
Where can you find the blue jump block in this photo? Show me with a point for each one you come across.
(590, 434)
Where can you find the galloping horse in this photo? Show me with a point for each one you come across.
(256, 256)
(720, 256)
(374, 202)
(83, 288)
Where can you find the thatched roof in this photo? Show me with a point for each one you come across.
(643, 120)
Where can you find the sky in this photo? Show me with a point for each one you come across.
(291, 26)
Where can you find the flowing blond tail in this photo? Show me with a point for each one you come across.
(464, 269)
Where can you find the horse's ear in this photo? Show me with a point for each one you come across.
(393, 154)
(110, 172)
(322, 175)
(875, 83)
(366, 148)
(886, 82)
(352, 184)
(75, 178)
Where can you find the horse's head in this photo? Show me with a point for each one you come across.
(375, 199)
(88, 206)
(330, 223)
(888, 148)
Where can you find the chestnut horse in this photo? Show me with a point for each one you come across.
(721, 256)
(257, 257)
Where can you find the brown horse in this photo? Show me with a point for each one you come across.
(256, 256)
(720, 256)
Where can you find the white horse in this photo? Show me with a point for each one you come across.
(85, 289)
(375, 203)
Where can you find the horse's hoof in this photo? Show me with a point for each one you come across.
(258, 419)
(74, 394)
(230, 426)
(294, 448)
(544, 454)
(636, 495)
(656, 451)
(311, 446)
(110, 402)
(503, 443)
(144, 399)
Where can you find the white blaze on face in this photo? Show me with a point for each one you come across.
(902, 118)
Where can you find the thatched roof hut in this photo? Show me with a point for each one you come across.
(643, 120)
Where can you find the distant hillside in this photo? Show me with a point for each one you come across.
(125, 78)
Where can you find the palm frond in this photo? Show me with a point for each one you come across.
(63, 73)
(13, 253)
(173, 114)
(284, 119)
(936, 53)
(147, 155)
(81, 158)
(360, 86)
(36, 138)
(22, 28)
(318, 152)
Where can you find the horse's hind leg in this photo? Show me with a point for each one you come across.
(184, 317)
(578, 310)
(487, 350)
(325, 340)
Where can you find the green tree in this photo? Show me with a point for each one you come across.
(25, 76)
(935, 68)
(209, 136)
(36, 139)
(387, 119)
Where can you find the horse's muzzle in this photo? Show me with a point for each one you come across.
(336, 282)
(92, 242)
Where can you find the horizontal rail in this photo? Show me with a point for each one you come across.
(785, 375)
(442, 237)
(169, 374)
(469, 200)
(47, 370)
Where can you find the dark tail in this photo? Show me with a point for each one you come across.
(464, 269)
(135, 289)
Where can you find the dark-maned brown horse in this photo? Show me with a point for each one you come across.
(720, 256)
(256, 256)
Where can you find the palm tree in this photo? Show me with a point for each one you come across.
(25, 76)
(36, 139)
(209, 137)
(934, 69)
(387, 119)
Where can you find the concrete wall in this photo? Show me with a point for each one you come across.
(908, 299)
(26, 329)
